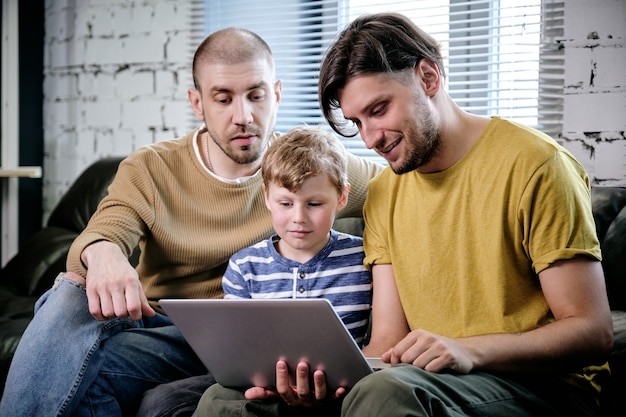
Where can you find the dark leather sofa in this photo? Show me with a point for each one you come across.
(32, 271)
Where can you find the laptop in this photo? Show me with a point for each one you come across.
(240, 341)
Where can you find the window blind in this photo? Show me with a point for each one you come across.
(551, 69)
(492, 50)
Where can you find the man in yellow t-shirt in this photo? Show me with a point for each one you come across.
(489, 295)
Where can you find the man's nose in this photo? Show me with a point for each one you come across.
(370, 135)
(242, 112)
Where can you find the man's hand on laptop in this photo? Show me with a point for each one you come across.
(298, 394)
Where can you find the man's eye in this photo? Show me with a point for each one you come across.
(258, 96)
(378, 110)
(222, 99)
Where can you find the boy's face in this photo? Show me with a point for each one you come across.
(304, 218)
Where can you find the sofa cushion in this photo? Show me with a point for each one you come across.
(609, 212)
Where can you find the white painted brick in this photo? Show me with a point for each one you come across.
(175, 114)
(142, 113)
(61, 172)
(95, 86)
(142, 136)
(608, 65)
(104, 142)
(593, 112)
(53, 6)
(61, 87)
(122, 22)
(75, 52)
(65, 145)
(60, 115)
(101, 114)
(177, 47)
(63, 54)
(611, 67)
(102, 51)
(85, 148)
(611, 156)
(59, 23)
(130, 84)
(166, 16)
(166, 82)
(84, 17)
(142, 19)
(102, 23)
(117, 3)
(577, 76)
(605, 17)
(143, 49)
(56, 54)
(123, 142)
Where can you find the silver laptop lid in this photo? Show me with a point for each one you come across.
(239, 341)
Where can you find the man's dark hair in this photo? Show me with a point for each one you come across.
(375, 43)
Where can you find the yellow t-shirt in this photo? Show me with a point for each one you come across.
(467, 243)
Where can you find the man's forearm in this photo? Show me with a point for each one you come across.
(563, 345)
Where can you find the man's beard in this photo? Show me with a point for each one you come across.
(245, 157)
(423, 138)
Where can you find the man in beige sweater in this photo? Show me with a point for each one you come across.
(98, 340)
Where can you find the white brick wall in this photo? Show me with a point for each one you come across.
(595, 87)
(116, 74)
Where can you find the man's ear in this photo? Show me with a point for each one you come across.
(343, 198)
(195, 98)
(278, 90)
(428, 75)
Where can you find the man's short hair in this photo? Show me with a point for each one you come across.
(230, 46)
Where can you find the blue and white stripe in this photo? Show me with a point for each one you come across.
(336, 273)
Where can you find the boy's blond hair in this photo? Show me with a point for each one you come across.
(302, 153)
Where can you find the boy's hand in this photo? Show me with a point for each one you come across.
(299, 394)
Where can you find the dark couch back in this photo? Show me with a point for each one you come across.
(79, 202)
(609, 212)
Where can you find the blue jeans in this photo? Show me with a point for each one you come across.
(69, 364)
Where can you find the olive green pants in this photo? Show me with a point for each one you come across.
(406, 390)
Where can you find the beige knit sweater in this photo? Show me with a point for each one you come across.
(186, 222)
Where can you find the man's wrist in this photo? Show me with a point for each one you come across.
(93, 249)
